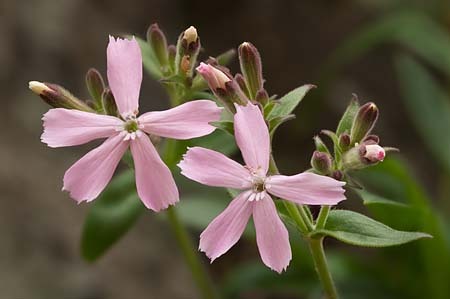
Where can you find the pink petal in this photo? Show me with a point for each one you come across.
(226, 229)
(252, 137)
(87, 178)
(214, 169)
(271, 235)
(306, 188)
(154, 181)
(124, 73)
(186, 121)
(65, 127)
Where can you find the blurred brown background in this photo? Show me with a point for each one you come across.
(57, 41)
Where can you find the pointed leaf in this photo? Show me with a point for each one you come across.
(345, 124)
(289, 102)
(357, 229)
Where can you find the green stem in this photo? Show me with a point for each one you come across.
(320, 263)
(323, 216)
(301, 217)
(191, 257)
(199, 273)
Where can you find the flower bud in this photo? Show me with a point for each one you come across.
(190, 35)
(95, 86)
(337, 175)
(372, 139)
(57, 97)
(251, 67)
(216, 78)
(344, 142)
(172, 52)
(321, 162)
(225, 88)
(188, 46)
(374, 153)
(158, 42)
(262, 97)
(362, 156)
(241, 82)
(364, 122)
(108, 102)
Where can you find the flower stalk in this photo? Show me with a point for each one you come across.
(300, 216)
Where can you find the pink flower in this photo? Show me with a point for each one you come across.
(86, 179)
(214, 169)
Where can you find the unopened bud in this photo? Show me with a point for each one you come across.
(172, 52)
(374, 153)
(95, 86)
(57, 97)
(337, 175)
(158, 42)
(373, 139)
(241, 82)
(190, 35)
(344, 142)
(188, 46)
(109, 103)
(362, 156)
(262, 97)
(321, 162)
(364, 122)
(216, 78)
(38, 87)
(251, 67)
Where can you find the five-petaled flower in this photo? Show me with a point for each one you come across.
(214, 169)
(155, 185)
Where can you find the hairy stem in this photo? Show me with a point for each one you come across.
(321, 266)
(323, 216)
(301, 215)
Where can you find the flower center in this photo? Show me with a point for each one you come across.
(132, 128)
(258, 184)
(131, 125)
(258, 190)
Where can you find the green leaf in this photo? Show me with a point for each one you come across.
(370, 199)
(346, 122)
(111, 215)
(149, 60)
(428, 105)
(356, 229)
(289, 102)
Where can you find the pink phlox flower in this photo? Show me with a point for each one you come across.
(155, 185)
(215, 169)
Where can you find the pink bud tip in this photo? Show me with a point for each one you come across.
(215, 77)
(374, 153)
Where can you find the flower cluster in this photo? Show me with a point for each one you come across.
(248, 113)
